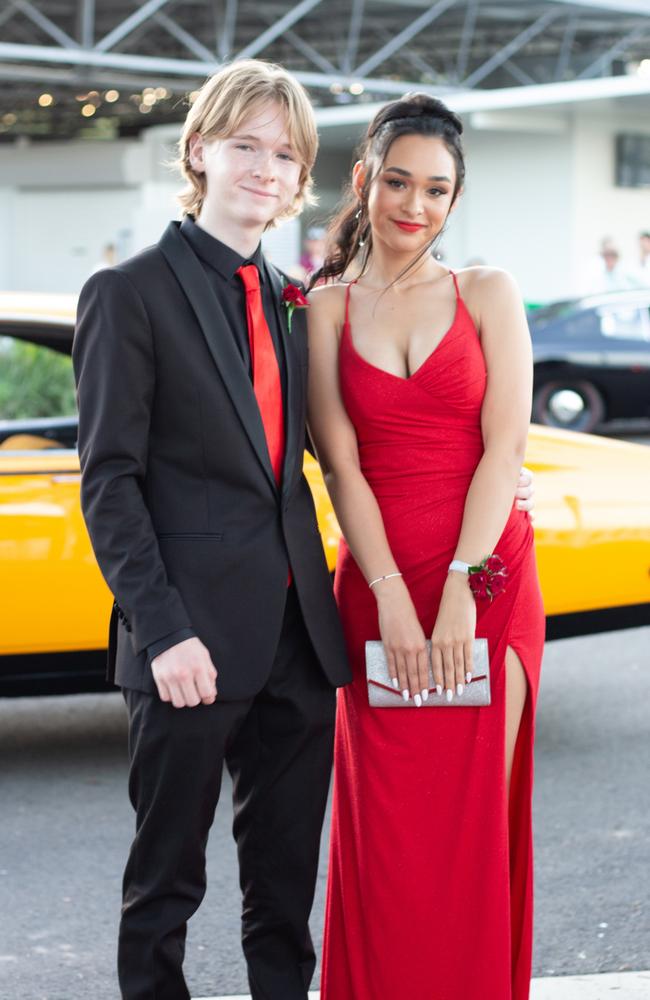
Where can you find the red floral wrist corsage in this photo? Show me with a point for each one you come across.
(293, 298)
(488, 579)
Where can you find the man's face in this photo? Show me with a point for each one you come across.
(610, 258)
(253, 175)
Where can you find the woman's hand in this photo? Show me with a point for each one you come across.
(453, 636)
(525, 495)
(404, 640)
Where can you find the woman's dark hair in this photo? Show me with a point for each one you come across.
(349, 232)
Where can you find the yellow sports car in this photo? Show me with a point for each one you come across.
(592, 520)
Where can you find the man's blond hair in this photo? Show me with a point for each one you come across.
(222, 104)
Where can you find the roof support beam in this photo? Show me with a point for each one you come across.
(7, 13)
(564, 54)
(603, 60)
(310, 52)
(289, 19)
(227, 33)
(305, 48)
(354, 30)
(611, 6)
(469, 24)
(44, 23)
(183, 36)
(193, 70)
(513, 46)
(403, 37)
(87, 23)
(126, 27)
(520, 75)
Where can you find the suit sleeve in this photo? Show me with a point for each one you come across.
(114, 367)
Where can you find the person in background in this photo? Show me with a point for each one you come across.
(642, 272)
(611, 275)
(313, 251)
(108, 258)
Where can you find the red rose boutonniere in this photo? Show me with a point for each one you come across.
(488, 579)
(293, 298)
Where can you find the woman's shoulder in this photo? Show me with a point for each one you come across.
(328, 300)
(481, 280)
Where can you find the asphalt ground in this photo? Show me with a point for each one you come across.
(65, 828)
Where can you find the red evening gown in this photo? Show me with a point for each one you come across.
(430, 891)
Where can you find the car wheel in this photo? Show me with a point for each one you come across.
(574, 406)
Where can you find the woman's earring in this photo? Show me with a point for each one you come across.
(358, 215)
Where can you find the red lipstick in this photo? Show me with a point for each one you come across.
(408, 227)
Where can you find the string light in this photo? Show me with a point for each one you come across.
(88, 110)
(46, 100)
(111, 96)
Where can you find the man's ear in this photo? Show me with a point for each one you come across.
(196, 152)
(358, 178)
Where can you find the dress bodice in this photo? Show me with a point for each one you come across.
(424, 429)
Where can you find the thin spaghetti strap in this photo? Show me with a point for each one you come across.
(453, 274)
(347, 301)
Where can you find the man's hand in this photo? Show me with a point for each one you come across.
(185, 674)
(525, 494)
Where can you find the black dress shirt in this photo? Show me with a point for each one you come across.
(220, 263)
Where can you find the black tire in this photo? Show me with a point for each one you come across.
(585, 419)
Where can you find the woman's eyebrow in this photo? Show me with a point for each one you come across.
(406, 173)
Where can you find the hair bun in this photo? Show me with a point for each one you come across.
(415, 105)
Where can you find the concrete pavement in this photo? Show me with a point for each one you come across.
(614, 985)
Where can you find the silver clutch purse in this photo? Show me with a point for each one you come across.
(382, 694)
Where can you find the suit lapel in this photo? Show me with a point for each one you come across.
(209, 314)
(289, 341)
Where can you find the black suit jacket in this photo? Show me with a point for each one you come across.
(188, 525)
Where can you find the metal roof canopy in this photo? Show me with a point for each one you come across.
(347, 52)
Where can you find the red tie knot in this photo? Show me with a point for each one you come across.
(250, 277)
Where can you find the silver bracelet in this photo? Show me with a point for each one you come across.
(388, 576)
(459, 566)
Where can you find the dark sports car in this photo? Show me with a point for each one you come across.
(592, 360)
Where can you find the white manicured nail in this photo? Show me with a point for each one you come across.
(418, 700)
(425, 694)
(438, 688)
(459, 689)
(468, 676)
(395, 683)
(405, 695)
(450, 694)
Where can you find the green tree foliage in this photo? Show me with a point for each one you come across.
(34, 381)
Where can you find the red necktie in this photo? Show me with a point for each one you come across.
(266, 371)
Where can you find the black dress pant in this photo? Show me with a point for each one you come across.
(278, 748)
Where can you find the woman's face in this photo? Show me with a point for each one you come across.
(411, 196)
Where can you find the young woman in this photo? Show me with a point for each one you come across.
(419, 403)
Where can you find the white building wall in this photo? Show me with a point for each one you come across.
(599, 208)
(516, 211)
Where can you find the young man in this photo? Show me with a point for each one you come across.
(224, 637)
(191, 435)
